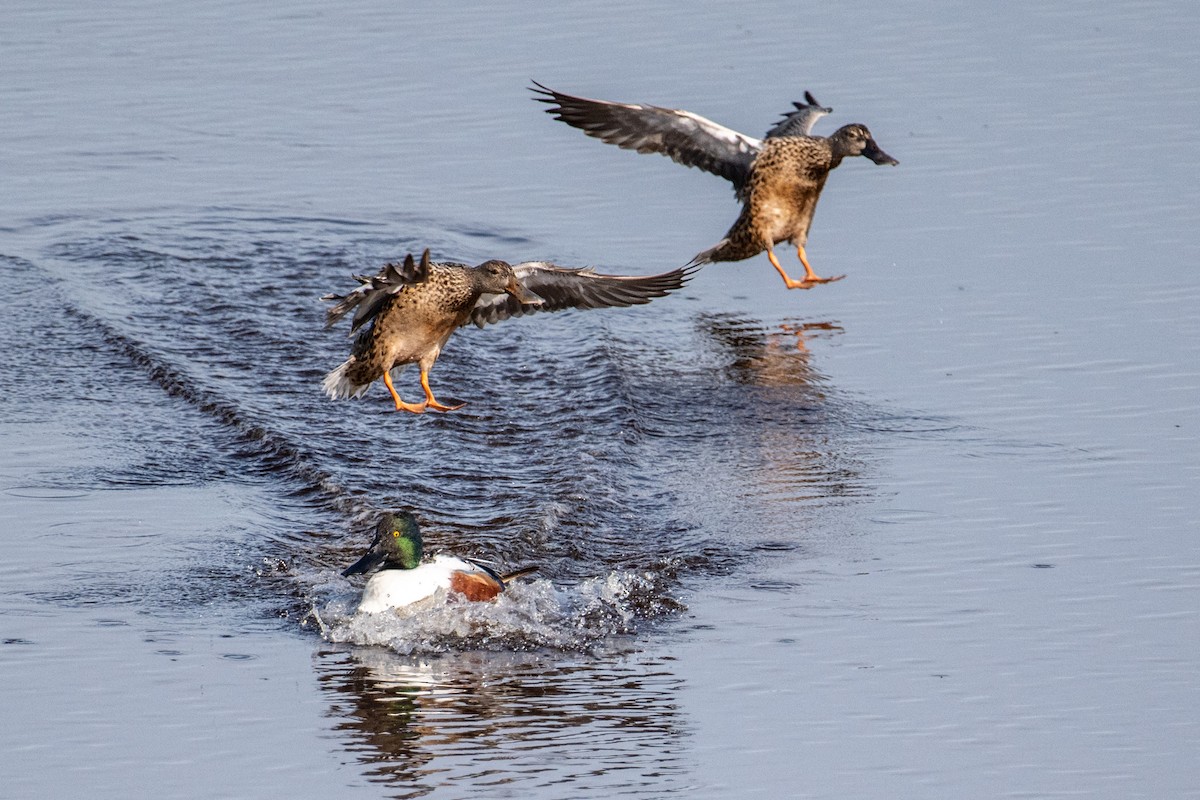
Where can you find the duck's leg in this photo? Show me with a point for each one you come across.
(416, 408)
(811, 277)
(791, 282)
(430, 400)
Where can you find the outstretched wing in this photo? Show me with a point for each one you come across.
(687, 138)
(800, 122)
(562, 287)
(375, 291)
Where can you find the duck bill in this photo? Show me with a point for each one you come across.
(523, 295)
(873, 152)
(373, 557)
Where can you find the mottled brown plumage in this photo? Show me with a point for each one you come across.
(778, 179)
(414, 308)
(780, 197)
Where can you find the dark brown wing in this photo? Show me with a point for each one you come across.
(562, 287)
(685, 137)
(375, 291)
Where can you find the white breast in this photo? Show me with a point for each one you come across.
(397, 588)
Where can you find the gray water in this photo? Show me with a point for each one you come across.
(926, 532)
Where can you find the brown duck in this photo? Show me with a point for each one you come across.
(413, 309)
(777, 179)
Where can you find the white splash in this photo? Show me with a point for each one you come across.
(529, 615)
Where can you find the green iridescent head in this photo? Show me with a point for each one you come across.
(397, 544)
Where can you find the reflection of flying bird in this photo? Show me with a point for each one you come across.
(404, 579)
(414, 308)
(778, 179)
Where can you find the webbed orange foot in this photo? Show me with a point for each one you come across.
(809, 283)
(436, 406)
(430, 400)
(810, 280)
(415, 408)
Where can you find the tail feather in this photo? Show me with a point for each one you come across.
(517, 573)
(339, 386)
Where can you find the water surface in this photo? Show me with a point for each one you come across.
(925, 532)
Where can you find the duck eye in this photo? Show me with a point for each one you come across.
(395, 534)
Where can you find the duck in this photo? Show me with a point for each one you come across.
(404, 579)
(778, 179)
(407, 312)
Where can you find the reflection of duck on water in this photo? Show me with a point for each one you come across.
(404, 579)
(768, 356)
(411, 722)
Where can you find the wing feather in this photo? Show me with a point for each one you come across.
(564, 287)
(800, 122)
(368, 300)
(686, 138)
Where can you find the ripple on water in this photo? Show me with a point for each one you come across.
(45, 493)
(582, 437)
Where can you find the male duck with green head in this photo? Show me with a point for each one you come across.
(404, 579)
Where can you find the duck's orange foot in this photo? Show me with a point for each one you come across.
(414, 408)
(436, 406)
(809, 283)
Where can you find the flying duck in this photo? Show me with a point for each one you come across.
(414, 307)
(778, 179)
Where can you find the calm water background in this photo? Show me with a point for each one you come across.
(927, 532)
